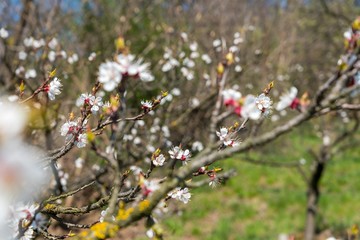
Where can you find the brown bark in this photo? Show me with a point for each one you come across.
(313, 194)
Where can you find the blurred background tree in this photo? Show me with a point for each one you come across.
(290, 42)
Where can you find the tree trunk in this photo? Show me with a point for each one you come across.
(311, 211)
(313, 194)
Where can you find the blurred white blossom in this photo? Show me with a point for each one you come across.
(110, 75)
(53, 43)
(31, 73)
(22, 55)
(287, 99)
(4, 33)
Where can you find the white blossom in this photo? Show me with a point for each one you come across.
(188, 63)
(175, 152)
(4, 33)
(176, 92)
(182, 195)
(206, 58)
(348, 34)
(22, 55)
(31, 73)
(79, 162)
(73, 58)
(150, 186)
(137, 140)
(53, 43)
(166, 67)
(159, 160)
(19, 70)
(194, 55)
(197, 146)
(263, 102)
(238, 40)
(216, 43)
(88, 99)
(146, 104)
(63, 54)
(92, 56)
(38, 43)
(184, 156)
(110, 75)
(233, 49)
(28, 42)
(225, 136)
(150, 233)
(165, 131)
(194, 102)
(184, 36)
(286, 99)
(134, 68)
(68, 129)
(54, 88)
(230, 96)
(193, 46)
(249, 108)
(52, 56)
(238, 68)
(222, 134)
(81, 140)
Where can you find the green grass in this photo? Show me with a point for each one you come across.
(262, 202)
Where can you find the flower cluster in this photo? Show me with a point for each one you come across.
(181, 194)
(72, 129)
(352, 41)
(249, 106)
(112, 73)
(185, 60)
(227, 137)
(212, 174)
(263, 103)
(91, 101)
(352, 36)
(179, 154)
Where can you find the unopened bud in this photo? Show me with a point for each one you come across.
(356, 24)
(220, 69)
(71, 116)
(229, 58)
(120, 44)
(164, 94)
